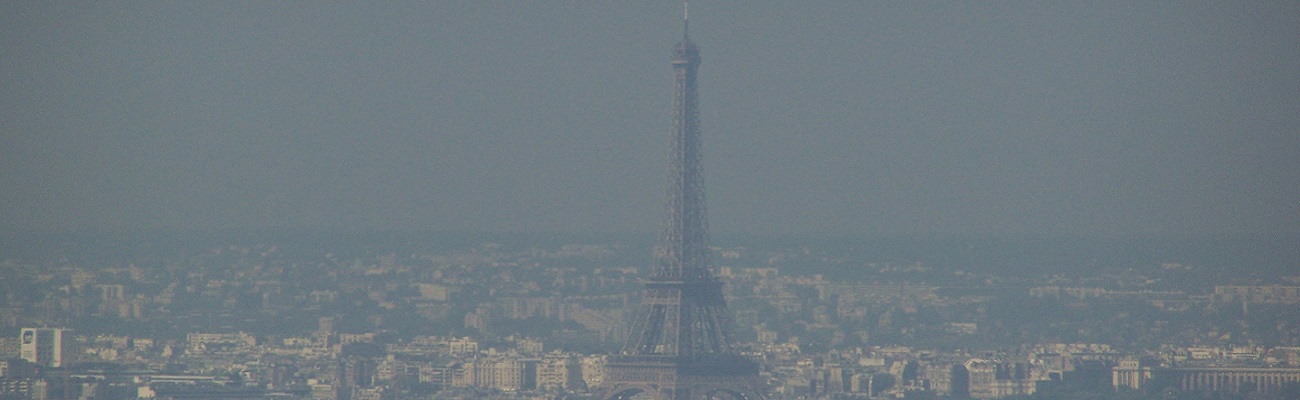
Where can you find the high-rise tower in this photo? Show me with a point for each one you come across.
(680, 344)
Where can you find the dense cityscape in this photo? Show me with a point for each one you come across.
(517, 320)
(1066, 202)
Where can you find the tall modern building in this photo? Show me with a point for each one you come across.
(680, 343)
(42, 346)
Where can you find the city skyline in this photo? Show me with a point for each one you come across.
(453, 201)
(874, 119)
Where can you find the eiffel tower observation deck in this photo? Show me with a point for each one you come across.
(680, 343)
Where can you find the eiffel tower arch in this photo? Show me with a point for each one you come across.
(636, 378)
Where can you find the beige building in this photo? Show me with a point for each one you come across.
(509, 374)
(1133, 375)
(1258, 294)
(1130, 374)
(593, 370)
(44, 346)
(984, 382)
(559, 372)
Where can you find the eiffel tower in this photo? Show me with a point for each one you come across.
(680, 344)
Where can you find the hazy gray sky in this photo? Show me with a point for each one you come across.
(876, 118)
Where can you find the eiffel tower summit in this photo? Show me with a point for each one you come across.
(680, 343)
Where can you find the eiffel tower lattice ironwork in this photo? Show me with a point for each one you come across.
(680, 343)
